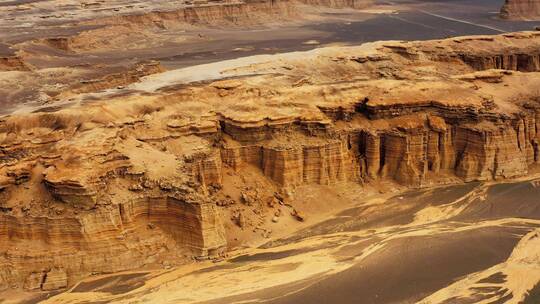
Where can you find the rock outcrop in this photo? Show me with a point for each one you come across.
(13, 63)
(97, 46)
(219, 13)
(215, 14)
(230, 14)
(114, 80)
(146, 177)
(357, 4)
(521, 9)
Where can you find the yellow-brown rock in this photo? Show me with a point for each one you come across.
(54, 279)
(521, 9)
(137, 179)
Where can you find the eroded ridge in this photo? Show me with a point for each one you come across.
(147, 176)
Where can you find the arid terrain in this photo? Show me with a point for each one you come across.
(314, 151)
(521, 9)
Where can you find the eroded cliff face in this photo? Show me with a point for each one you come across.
(426, 148)
(71, 218)
(357, 4)
(13, 63)
(120, 30)
(213, 14)
(143, 178)
(521, 9)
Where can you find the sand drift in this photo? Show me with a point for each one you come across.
(483, 247)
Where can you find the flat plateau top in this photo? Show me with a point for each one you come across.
(458, 73)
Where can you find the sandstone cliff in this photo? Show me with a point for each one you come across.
(106, 31)
(144, 177)
(254, 12)
(521, 9)
(358, 4)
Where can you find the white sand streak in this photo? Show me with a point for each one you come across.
(522, 270)
(432, 214)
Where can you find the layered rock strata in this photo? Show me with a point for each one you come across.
(521, 9)
(143, 25)
(215, 13)
(210, 14)
(136, 179)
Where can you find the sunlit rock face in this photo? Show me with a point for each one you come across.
(521, 9)
(119, 182)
